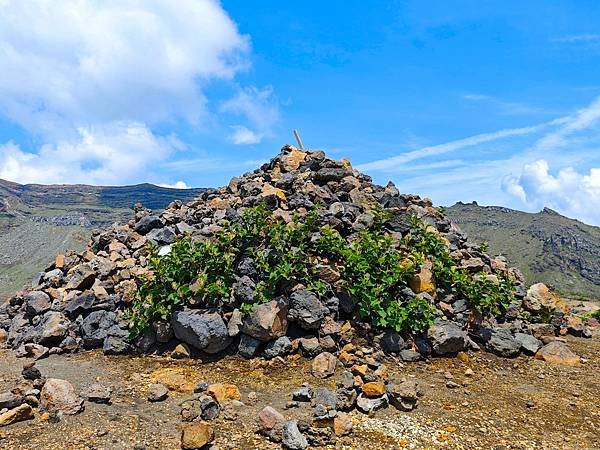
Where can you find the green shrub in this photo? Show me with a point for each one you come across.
(488, 295)
(374, 270)
(374, 273)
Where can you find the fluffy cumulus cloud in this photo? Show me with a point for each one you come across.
(89, 60)
(91, 79)
(256, 106)
(568, 191)
(104, 155)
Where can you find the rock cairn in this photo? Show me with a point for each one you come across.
(80, 301)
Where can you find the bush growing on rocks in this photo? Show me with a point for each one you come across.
(374, 271)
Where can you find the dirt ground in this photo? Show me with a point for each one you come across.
(506, 404)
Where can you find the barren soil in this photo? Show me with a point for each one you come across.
(507, 403)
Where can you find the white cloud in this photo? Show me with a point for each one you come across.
(390, 164)
(503, 106)
(92, 79)
(176, 185)
(244, 136)
(569, 192)
(87, 61)
(259, 107)
(578, 38)
(105, 155)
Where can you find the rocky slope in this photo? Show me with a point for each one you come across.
(545, 246)
(37, 221)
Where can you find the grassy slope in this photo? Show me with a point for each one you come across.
(546, 246)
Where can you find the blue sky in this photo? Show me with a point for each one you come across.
(494, 101)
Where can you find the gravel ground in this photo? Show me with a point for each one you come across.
(504, 404)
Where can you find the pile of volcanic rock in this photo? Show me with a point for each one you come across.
(80, 300)
(362, 389)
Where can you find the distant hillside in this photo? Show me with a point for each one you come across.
(546, 246)
(39, 221)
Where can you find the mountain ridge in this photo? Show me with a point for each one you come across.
(38, 221)
(547, 246)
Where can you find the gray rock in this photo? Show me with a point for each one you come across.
(447, 338)
(202, 330)
(529, 344)
(404, 395)
(502, 343)
(209, 408)
(291, 438)
(115, 345)
(163, 330)
(99, 393)
(9, 400)
(410, 356)
(267, 321)
(279, 347)
(52, 328)
(325, 397)
(248, 346)
(392, 342)
(54, 277)
(235, 322)
(346, 398)
(82, 278)
(304, 394)
(144, 342)
(37, 302)
(147, 223)
(157, 392)
(306, 310)
(37, 279)
(310, 346)
(162, 236)
(82, 304)
(243, 290)
(366, 404)
(94, 328)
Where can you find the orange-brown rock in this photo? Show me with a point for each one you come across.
(323, 365)
(196, 435)
(59, 262)
(292, 159)
(540, 299)
(423, 282)
(373, 389)
(223, 392)
(346, 358)
(342, 424)
(18, 414)
(360, 370)
(174, 379)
